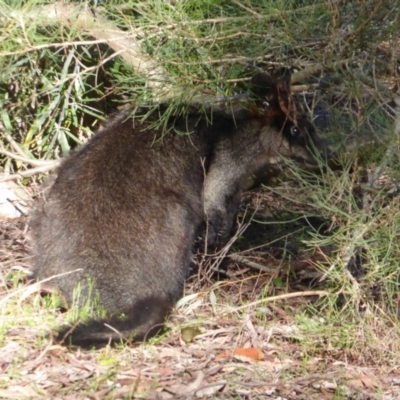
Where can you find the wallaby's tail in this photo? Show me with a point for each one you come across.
(142, 321)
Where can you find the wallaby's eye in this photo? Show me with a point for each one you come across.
(295, 131)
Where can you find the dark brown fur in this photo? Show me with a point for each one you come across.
(125, 210)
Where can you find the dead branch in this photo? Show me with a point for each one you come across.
(33, 171)
(252, 264)
(126, 44)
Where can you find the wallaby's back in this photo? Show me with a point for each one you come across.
(115, 218)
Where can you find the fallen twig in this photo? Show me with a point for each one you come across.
(252, 264)
(30, 172)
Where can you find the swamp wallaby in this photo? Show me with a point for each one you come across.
(116, 228)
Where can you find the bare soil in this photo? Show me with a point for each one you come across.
(225, 340)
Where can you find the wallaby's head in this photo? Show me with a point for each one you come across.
(293, 135)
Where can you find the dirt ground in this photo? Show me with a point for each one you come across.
(240, 332)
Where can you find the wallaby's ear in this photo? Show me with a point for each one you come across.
(265, 91)
(262, 83)
(273, 91)
(285, 99)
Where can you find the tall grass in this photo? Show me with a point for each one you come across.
(60, 76)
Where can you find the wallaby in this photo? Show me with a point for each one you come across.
(116, 228)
